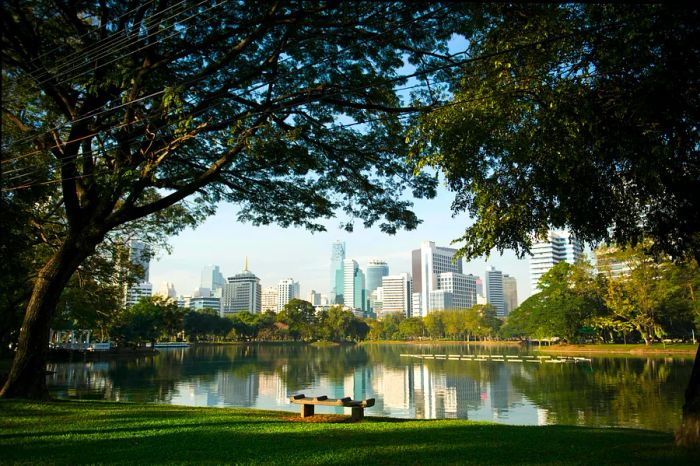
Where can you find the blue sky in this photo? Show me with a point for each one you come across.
(276, 253)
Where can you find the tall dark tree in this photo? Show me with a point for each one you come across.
(578, 116)
(291, 110)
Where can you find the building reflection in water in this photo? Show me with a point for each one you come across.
(608, 392)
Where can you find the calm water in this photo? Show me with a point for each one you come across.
(622, 391)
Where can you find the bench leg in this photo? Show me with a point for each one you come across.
(358, 414)
(307, 410)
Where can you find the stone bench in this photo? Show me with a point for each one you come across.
(308, 403)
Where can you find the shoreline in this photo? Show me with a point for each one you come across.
(631, 349)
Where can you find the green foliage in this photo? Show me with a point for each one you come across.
(569, 299)
(656, 298)
(653, 300)
(205, 326)
(113, 114)
(300, 316)
(579, 116)
(147, 321)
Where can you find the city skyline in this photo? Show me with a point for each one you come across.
(275, 253)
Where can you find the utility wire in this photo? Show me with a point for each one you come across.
(243, 93)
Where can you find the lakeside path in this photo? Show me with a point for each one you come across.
(79, 432)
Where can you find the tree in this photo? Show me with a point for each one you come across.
(288, 109)
(412, 328)
(578, 116)
(300, 316)
(147, 321)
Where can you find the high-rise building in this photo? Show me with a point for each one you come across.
(608, 264)
(287, 290)
(242, 292)
(316, 299)
(461, 287)
(396, 295)
(441, 300)
(353, 285)
(510, 293)
(212, 279)
(376, 269)
(269, 297)
(426, 263)
(202, 303)
(167, 290)
(337, 257)
(559, 246)
(139, 255)
(494, 291)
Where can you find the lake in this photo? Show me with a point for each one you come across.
(624, 391)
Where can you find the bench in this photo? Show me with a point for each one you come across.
(308, 403)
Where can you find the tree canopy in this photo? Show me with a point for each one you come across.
(579, 115)
(120, 111)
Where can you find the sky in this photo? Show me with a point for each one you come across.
(276, 253)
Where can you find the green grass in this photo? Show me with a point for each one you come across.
(78, 432)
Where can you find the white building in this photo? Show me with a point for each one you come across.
(139, 255)
(166, 290)
(426, 264)
(462, 288)
(287, 290)
(268, 298)
(201, 303)
(494, 291)
(242, 292)
(559, 246)
(395, 295)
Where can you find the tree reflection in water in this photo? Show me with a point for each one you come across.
(622, 391)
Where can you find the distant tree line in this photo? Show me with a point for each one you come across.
(648, 299)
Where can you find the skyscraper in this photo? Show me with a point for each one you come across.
(494, 291)
(353, 285)
(337, 257)
(426, 263)
(461, 287)
(140, 256)
(242, 292)
(287, 290)
(559, 246)
(396, 295)
(376, 269)
(510, 293)
(212, 279)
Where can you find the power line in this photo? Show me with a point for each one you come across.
(243, 93)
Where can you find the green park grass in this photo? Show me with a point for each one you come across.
(80, 432)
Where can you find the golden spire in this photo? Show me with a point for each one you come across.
(246, 264)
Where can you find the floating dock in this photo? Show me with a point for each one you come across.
(500, 358)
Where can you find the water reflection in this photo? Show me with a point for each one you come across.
(633, 392)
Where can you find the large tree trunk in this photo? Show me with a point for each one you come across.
(27, 378)
(689, 432)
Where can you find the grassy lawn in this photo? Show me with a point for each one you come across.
(77, 432)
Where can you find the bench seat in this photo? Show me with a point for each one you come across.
(308, 403)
